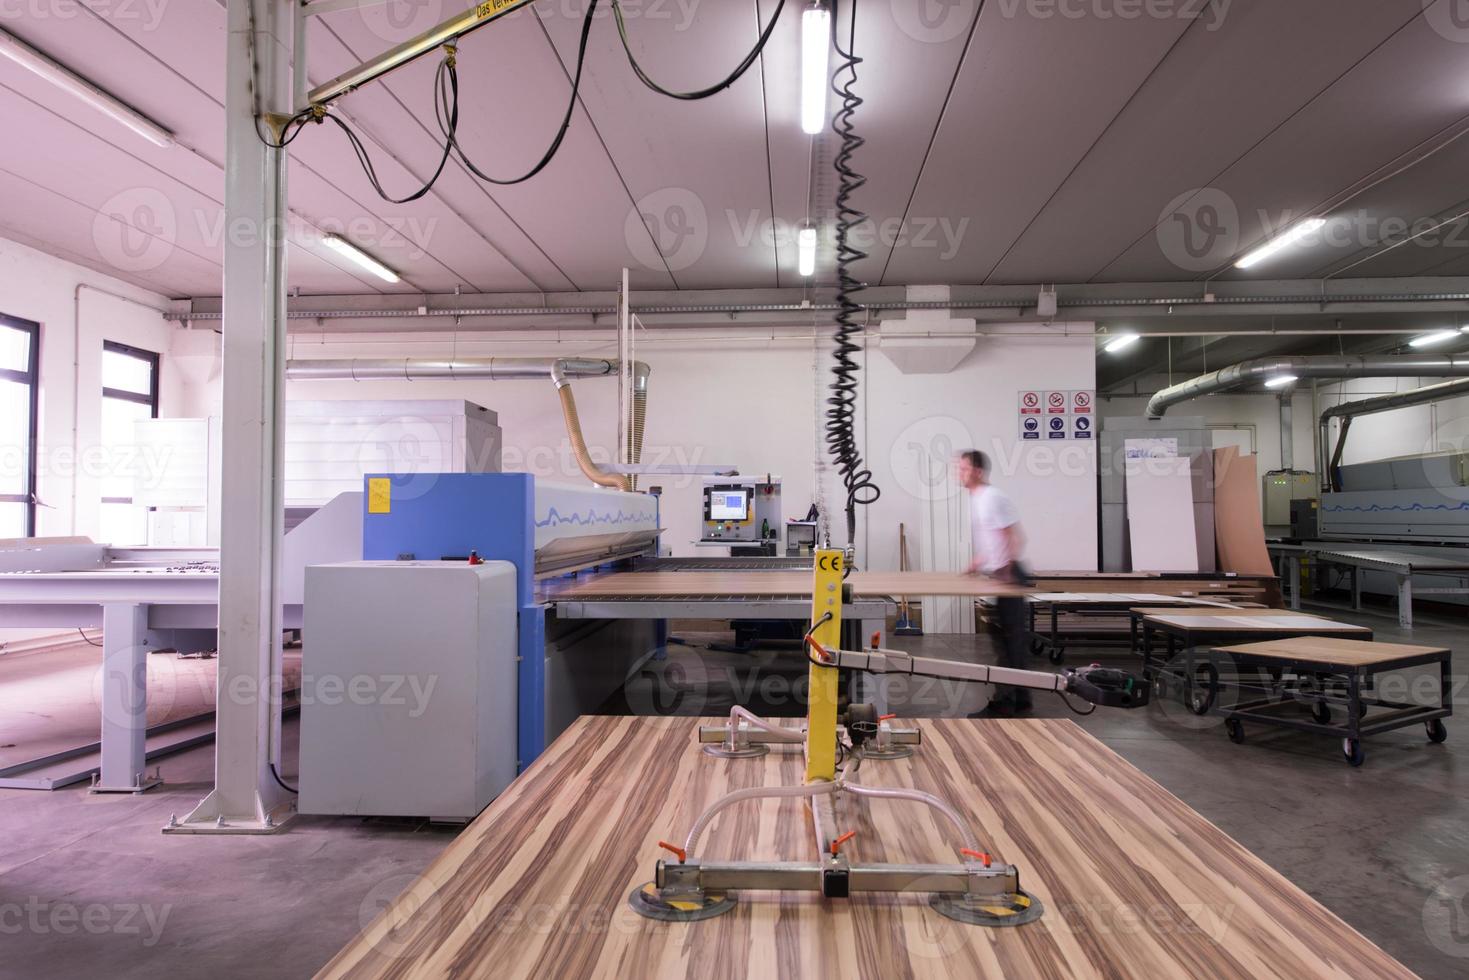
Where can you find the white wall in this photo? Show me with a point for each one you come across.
(754, 406)
(71, 302)
(1256, 413)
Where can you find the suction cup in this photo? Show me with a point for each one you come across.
(1012, 910)
(752, 751)
(652, 903)
(888, 754)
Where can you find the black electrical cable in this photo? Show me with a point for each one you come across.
(1074, 710)
(841, 434)
(282, 782)
(87, 638)
(702, 93)
(581, 57)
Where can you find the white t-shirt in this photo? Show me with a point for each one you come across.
(991, 511)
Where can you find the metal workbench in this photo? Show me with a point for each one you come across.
(1358, 558)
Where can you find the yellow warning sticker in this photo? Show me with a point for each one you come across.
(490, 7)
(379, 495)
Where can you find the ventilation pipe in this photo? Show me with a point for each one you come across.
(1261, 369)
(558, 370)
(1369, 406)
(1287, 436)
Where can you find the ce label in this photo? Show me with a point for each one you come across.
(829, 563)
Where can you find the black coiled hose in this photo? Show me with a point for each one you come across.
(841, 434)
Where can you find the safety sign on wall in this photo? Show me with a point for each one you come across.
(1057, 414)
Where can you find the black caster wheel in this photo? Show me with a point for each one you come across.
(1437, 732)
(1037, 648)
(1320, 713)
(1235, 730)
(1362, 709)
(1352, 750)
(1205, 687)
(1058, 655)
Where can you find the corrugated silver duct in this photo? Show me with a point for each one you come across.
(1346, 411)
(1329, 366)
(558, 370)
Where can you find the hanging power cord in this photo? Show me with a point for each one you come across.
(283, 785)
(841, 434)
(702, 93)
(446, 109)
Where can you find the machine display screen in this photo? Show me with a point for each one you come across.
(729, 505)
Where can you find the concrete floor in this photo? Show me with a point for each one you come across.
(88, 885)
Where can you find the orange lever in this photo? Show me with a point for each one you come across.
(677, 851)
(876, 637)
(977, 855)
(836, 845)
(886, 717)
(820, 650)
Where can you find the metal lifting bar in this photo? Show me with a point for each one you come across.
(396, 57)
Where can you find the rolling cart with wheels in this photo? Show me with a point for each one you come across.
(1326, 673)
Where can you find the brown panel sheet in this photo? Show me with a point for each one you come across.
(1239, 530)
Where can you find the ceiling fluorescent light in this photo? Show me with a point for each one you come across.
(345, 248)
(815, 50)
(1281, 380)
(1292, 237)
(1120, 342)
(806, 251)
(1437, 337)
(64, 78)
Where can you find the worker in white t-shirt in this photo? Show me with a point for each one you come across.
(999, 547)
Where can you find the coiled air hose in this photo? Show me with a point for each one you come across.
(841, 436)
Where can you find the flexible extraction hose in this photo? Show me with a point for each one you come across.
(753, 793)
(738, 712)
(579, 445)
(841, 434)
(917, 796)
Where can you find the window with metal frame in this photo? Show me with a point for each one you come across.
(20, 392)
(129, 393)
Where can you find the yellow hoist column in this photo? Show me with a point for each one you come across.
(821, 712)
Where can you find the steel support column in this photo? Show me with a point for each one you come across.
(246, 797)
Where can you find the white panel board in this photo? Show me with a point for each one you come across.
(1160, 515)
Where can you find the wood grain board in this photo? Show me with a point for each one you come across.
(1331, 650)
(1134, 882)
(735, 584)
(1247, 622)
(656, 585)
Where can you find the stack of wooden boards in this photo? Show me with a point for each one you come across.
(1167, 499)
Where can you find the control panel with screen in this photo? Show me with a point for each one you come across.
(728, 505)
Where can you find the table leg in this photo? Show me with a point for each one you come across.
(1405, 601)
(1293, 568)
(124, 699)
(1356, 588)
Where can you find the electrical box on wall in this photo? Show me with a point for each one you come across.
(1280, 488)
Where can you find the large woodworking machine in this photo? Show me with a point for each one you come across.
(566, 667)
(980, 890)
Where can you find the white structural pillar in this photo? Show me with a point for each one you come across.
(246, 796)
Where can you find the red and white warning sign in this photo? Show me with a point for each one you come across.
(1081, 402)
(1030, 403)
(1056, 402)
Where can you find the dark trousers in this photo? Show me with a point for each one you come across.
(1010, 646)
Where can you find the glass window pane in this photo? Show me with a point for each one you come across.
(123, 525)
(12, 520)
(126, 372)
(15, 436)
(15, 349)
(119, 463)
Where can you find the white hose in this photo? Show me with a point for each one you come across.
(782, 734)
(753, 793)
(918, 796)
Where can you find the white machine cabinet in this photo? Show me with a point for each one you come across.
(408, 688)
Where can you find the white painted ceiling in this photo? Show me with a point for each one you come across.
(1013, 143)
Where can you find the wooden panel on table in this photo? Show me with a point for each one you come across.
(1134, 882)
(1332, 650)
(1239, 529)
